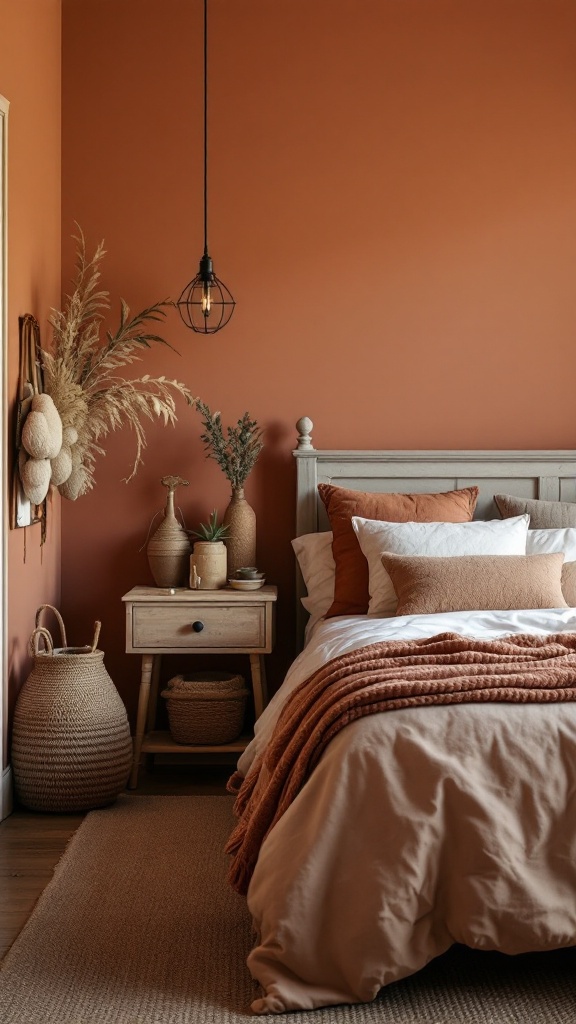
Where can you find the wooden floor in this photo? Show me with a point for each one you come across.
(31, 844)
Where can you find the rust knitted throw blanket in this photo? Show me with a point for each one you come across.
(386, 676)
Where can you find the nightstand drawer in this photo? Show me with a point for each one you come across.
(198, 626)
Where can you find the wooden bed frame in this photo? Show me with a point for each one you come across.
(547, 475)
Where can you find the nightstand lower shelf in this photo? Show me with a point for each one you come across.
(161, 742)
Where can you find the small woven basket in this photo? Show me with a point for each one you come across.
(205, 708)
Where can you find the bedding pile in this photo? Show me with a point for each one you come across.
(417, 828)
(412, 784)
(387, 676)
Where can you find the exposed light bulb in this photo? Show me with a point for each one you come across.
(206, 300)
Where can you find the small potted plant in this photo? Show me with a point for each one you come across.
(209, 561)
(236, 450)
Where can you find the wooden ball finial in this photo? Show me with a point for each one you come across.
(304, 427)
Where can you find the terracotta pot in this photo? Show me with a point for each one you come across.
(208, 564)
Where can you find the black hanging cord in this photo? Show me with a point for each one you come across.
(198, 314)
(205, 127)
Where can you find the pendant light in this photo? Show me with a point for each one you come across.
(206, 304)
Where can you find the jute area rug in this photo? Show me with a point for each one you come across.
(138, 926)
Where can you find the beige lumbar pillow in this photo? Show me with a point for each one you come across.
(569, 583)
(426, 584)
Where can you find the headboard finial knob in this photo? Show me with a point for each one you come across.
(304, 428)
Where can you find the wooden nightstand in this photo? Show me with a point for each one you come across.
(179, 621)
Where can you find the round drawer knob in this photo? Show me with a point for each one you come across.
(198, 626)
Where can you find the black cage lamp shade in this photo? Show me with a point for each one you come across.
(205, 304)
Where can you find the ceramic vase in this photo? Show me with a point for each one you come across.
(241, 539)
(208, 565)
(168, 550)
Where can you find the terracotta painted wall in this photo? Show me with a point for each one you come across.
(392, 204)
(30, 78)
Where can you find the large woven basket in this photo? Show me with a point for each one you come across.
(71, 745)
(205, 708)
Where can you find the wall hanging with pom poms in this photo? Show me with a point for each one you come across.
(37, 433)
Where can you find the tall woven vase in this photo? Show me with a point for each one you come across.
(168, 549)
(240, 541)
(71, 745)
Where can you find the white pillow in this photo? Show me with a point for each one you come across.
(547, 542)
(316, 561)
(494, 537)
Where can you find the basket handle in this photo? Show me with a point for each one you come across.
(97, 627)
(60, 621)
(46, 636)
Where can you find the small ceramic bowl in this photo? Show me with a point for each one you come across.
(238, 584)
(248, 572)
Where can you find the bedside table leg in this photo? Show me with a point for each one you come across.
(143, 701)
(258, 672)
(154, 687)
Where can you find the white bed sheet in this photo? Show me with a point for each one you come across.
(418, 828)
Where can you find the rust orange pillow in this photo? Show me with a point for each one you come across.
(351, 595)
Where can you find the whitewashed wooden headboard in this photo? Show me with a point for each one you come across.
(548, 475)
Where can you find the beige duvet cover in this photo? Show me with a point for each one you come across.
(418, 828)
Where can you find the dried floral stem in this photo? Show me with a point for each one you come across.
(80, 373)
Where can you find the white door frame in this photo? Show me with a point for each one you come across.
(6, 787)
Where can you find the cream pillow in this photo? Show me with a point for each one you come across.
(494, 537)
(475, 582)
(546, 542)
(314, 555)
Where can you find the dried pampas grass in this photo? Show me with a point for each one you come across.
(80, 372)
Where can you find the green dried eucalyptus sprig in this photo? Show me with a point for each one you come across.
(235, 450)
